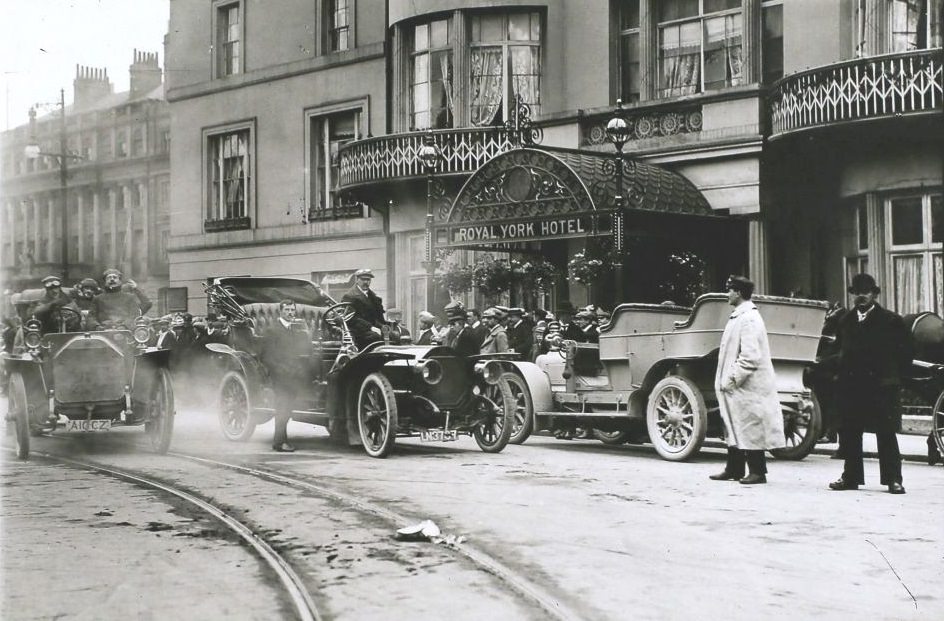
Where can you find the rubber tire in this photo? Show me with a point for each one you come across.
(937, 422)
(521, 395)
(161, 430)
(16, 404)
(243, 428)
(379, 385)
(805, 446)
(612, 438)
(698, 416)
(500, 441)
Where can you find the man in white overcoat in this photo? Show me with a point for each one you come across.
(746, 389)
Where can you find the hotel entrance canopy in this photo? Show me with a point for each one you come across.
(531, 194)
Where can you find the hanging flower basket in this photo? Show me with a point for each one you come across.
(586, 270)
(538, 275)
(493, 276)
(456, 279)
(687, 273)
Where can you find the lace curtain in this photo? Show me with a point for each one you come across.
(486, 92)
(681, 63)
(525, 68)
(906, 16)
(732, 49)
(909, 284)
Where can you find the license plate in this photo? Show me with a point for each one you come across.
(438, 435)
(88, 425)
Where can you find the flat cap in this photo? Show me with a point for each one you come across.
(52, 281)
(494, 311)
(585, 314)
(516, 310)
(88, 282)
(111, 270)
(364, 272)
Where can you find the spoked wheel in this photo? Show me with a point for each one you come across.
(523, 406)
(160, 426)
(377, 415)
(676, 418)
(233, 408)
(16, 409)
(937, 423)
(495, 414)
(801, 430)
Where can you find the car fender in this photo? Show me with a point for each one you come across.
(539, 385)
(246, 364)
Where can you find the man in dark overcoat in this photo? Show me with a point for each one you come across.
(874, 353)
(520, 334)
(462, 337)
(286, 349)
(368, 322)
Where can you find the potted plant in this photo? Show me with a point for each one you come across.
(585, 269)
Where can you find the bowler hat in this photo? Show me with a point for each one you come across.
(51, 281)
(863, 283)
(456, 312)
(364, 273)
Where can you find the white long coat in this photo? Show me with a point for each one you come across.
(745, 383)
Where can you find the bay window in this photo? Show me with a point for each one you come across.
(700, 45)
(431, 86)
(896, 26)
(915, 235)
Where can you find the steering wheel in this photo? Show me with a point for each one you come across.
(63, 315)
(339, 313)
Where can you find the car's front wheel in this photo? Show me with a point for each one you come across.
(676, 418)
(160, 425)
(495, 417)
(234, 408)
(523, 406)
(377, 415)
(17, 410)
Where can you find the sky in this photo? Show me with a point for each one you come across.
(42, 40)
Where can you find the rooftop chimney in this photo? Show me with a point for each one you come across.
(145, 73)
(90, 85)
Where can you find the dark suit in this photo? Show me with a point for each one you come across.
(521, 339)
(286, 354)
(573, 333)
(465, 342)
(368, 313)
(591, 334)
(425, 337)
(479, 331)
(873, 355)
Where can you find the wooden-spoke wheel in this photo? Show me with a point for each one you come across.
(495, 417)
(937, 423)
(233, 408)
(676, 418)
(800, 429)
(18, 412)
(377, 415)
(523, 424)
(160, 425)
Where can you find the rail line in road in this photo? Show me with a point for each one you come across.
(292, 583)
(519, 583)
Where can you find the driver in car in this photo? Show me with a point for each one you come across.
(47, 309)
(115, 307)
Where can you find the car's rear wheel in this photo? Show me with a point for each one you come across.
(17, 410)
(234, 409)
(613, 438)
(523, 408)
(496, 418)
(676, 418)
(160, 425)
(377, 415)
(801, 430)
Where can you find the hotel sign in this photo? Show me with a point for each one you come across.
(534, 229)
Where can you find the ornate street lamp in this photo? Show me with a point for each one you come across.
(33, 151)
(430, 156)
(617, 132)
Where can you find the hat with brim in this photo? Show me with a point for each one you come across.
(453, 314)
(516, 310)
(111, 270)
(52, 281)
(493, 312)
(363, 273)
(89, 282)
(585, 314)
(863, 283)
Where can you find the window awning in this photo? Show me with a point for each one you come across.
(531, 194)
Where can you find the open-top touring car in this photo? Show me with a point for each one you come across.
(93, 379)
(369, 396)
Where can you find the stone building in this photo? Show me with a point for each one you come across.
(117, 184)
(793, 141)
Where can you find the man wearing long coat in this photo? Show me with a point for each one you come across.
(368, 322)
(874, 351)
(285, 353)
(746, 389)
(496, 341)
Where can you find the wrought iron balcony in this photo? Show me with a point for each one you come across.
(865, 88)
(386, 158)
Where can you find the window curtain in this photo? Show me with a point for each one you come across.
(525, 71)
(906, 17)
(486, 87)
(445, 68)
(732, 49)
(681, 65)
(909, 284)
(938, 266)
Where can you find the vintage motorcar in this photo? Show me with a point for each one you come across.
(85, 380)
(651, 377)
(368, 397)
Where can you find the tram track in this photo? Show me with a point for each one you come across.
(537, 597)
(292, 583)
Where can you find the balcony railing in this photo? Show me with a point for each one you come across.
(395, 156)
(866, 88)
